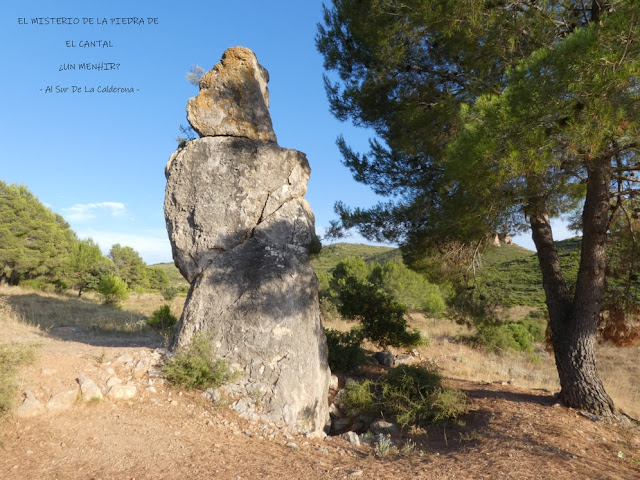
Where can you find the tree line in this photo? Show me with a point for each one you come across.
(39, 248)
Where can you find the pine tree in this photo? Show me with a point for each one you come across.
(34, 241)
(495, 116)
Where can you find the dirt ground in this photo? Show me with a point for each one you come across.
(509, 433)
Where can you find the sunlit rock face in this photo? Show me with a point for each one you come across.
(240, 231)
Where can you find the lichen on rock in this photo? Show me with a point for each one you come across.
(240, 229)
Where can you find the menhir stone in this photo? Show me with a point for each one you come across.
(233, 99)
(240, 231)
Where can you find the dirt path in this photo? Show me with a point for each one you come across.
(163, 433)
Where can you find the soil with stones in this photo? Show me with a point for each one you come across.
(166, 433)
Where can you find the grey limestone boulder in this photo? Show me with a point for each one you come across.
(88, 388)
(240, 231)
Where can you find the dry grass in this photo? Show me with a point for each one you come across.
(619, 367)
(18, 347)
(38, 311)
(47, 311)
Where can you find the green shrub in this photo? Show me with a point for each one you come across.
(434, 303)
(413, 394)
(536, 323)
(37, 284)
(113, 290)
(345, 352)
(408, 287)
(60, 286)
(360, 399)
(448, 404)
(382, 318)
(195, 367)
(11, 357)
(506, 336)
(328, 309)
(169, 293)
(162, 318)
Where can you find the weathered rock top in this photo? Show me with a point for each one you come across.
(233, 99)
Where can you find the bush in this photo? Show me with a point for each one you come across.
(382, 318)
(360, 399)
(507, 336)
(328, 309)
(408, 287)
(162, 318)
(536, 323)
(345, 352)
(169, 293)
(113, 290)
(194, 367)
(413, 394)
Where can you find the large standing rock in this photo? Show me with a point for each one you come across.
(240, 231)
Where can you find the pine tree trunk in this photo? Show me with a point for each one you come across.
(574, 321)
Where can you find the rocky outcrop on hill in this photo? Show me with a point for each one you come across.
(240, 231)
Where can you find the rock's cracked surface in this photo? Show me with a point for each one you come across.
(240, 231)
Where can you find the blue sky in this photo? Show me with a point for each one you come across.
(98, 158)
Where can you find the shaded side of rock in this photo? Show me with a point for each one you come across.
(385, 358)
(382, 426)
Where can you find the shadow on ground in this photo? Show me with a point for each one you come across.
(81, 320)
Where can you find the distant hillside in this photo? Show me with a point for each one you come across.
(328, 258)
(504, 253)
(510, 275)
(331, 255)
(175, 278)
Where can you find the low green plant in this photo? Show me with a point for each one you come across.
(499, 338)
(384, 446)
(360, 399)
(472, 436)
(536, 323)
(195, 367)
(12, 356)
(345, 352)
(409, 448)
(113, 290)
(169, 293)
(162, 318)
(413, 394)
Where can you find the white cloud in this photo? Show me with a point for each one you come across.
(153, 246)
(81, 212)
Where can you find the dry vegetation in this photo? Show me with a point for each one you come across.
(619, 367)
(511, 431)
